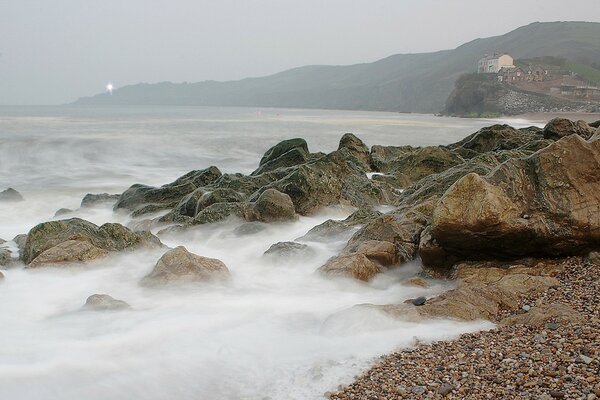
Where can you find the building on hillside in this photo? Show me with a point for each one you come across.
(493, 64)
(518, 74)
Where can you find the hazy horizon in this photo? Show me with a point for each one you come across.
(55, 53)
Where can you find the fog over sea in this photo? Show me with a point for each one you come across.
(266, 334)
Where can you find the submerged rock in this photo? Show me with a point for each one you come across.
(104, 302)
(81, 240)
(180, 266)
(289, 250)
(62, 211)
(94, 199)
(10, 195)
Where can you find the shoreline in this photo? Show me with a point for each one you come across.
(557, 359)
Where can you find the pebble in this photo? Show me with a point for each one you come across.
(419, 301)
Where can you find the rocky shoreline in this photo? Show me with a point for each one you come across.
(511, 216)
(555, 358)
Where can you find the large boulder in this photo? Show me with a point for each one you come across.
(355, 151)
(294, 156)
(272, 205)
(180, 266)
(356, 266)
(282, 148)
(10, 195)
(561, 127)
(544, 205)
(78, 239)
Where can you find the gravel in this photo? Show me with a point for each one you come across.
(554, 361)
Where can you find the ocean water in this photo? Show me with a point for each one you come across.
(259, 336)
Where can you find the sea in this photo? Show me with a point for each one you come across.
(276, 330)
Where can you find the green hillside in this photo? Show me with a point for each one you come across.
(403, 82)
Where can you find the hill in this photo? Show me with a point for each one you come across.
(402, 82)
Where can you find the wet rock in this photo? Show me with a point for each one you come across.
(295, 156)
(188, 205)
(557, 188)
(92, 199)
(419, 301)
(62, 211)
(334, 228)
(283, 147)
(221, 211)
(355, 151)
(287, 250)
(5, 256)
(167, 196)
(180, 266)
(356, 266)
(104, 302)
(538, 316)
(272, 206)
(249, 228)
(108, 237)
(10, 195)
(67, 252)
(558, 128)
(412, 164)
(218, 196)
(21, 240)
(496, 138)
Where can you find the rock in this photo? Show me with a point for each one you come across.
(496, 138)
(218, 196)
(10, 195)
(92, 200)
(356, 266)
(67, 252)
(104, 302)
(444, 389)
(380, 251)
(249, 228)
(544, 205)
(560, 127)
(282, 148)
(415, 281)
(221, 211)
(356, 151)
(1, 276)
(557, 394)
(21, 240)
(538, 316)
(412, 164)
(334, 228)
(180, 266)
(295, 156)
(62, 211)
(166, 196)
(272, 206)
(5, 256)
(289, 250)
(188, 205)
(108, 237)
(419, 301)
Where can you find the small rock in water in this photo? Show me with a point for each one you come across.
(104, 302)
(419, 301)
(10, 194)
(444, 389)
(62, 211)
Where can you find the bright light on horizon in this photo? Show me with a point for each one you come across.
(109, 87)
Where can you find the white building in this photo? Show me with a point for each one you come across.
(493, 64)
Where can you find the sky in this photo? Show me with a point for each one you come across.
(54, 51)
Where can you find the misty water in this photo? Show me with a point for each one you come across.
(267, 333)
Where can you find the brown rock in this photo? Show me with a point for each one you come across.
(180, 266)
(538, 316)
(68, 252)
(104, 302)
(356, 266)
(544, 205)
(561, 127)
(272, 205)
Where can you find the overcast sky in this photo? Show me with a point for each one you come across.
(53, 52)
